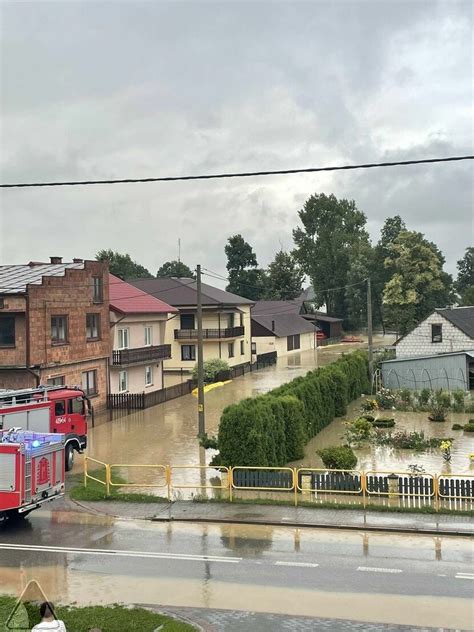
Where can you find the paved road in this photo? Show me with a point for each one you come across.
(410, 580)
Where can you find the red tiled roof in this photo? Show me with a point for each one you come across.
(128, 299)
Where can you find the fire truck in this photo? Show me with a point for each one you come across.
(49, 409)
(31, 470)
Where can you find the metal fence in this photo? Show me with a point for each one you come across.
(302, 483)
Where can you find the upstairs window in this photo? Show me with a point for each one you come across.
(93, 326)
(7, 331)
(230, 348)
(148, 336)
(187, 321)
(97, 290)
(122, 335)
(58, 329)
(436, 333)
(57, 380)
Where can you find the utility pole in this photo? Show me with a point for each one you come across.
(200, 356)
(369, 333)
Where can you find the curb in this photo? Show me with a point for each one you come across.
(311, 525)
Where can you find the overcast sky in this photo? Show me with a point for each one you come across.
(111, 90)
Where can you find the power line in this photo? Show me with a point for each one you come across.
(238, 174)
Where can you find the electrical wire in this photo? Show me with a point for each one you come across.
(240, 174)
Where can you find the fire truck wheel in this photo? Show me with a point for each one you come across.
(69, 457)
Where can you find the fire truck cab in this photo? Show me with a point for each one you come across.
(49, 409)
(31, 471)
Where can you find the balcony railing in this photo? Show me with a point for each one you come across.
(141, 354)
(209, 334)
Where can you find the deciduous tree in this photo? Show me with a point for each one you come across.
(122, 265)
(176, 269)
(245, 277)
(284, 278)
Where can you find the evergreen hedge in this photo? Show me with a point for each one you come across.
(272, 429)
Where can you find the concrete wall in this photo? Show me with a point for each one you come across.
(446, 372)
(212, 349)
(418, 342)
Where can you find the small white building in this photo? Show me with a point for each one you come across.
(444, 331)
(277, 326)
(138, 329)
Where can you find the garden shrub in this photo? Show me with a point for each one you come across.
(272, 429)
(212, 368)
(424, 396)
(458, 401)
(358, 430)
(457, 427)
(383, 422)
(442, 399)
(469, 427)
(338, 457)
(437, 414)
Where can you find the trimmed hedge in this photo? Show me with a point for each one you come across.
(272, 429)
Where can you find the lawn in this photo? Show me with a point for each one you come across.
(96, 491)
(105, 618)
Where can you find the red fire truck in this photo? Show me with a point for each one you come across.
(31, 470)
(49, 409)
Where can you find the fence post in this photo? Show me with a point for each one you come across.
(168, 481)
(436, 491)
(295, 483)
(85, 471)
(107, 480)
(363, 484)
(231, 480)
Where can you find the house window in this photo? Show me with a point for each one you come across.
(230, 347)
(59, 329)
(148, 376)
(123, 381)
(230, 320)
(92, 326)
(57, 380)
(241, 319)
(436, 333)
(187, 321)
(188, 352)
(89, 382)
(97, 290)
(148, 336)
(123, 341)
(7, 331)
(242, 347)
(293, 342)
(254, 347)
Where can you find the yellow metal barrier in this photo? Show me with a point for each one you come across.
(262, 488)
(395, 492)
(451, 496)
(326, 471)
(160, 468)
(106, 483)
(202, 470)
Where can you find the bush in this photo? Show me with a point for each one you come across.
(437, 414)
(358, 431)
(458, 401)
(457, 427)
(469, 427)
(424, 396)
(212, 368)
(272, 429)
(383, 422)
(370, 418)
(338, 458)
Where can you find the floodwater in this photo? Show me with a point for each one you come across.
(385, 458)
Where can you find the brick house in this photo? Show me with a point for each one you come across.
(54, 325)
(444, 331)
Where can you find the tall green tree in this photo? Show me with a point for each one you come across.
(418, 284)
(284, 278)
(331, 229)
(380, 273)
(245, 277)
(465, 278)
(361, 265)
(122, 265)
(176, 269)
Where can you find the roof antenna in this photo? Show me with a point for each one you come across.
(179, 250)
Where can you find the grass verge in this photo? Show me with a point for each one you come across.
(106, 618)
(338, 506)
(96, 491)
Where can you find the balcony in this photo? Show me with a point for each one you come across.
(209, 334)
(141, 355)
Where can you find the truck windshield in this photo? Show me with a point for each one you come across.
(76, 406)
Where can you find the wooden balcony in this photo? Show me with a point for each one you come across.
(209, 334)
(141, 355)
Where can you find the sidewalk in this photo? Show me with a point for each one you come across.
(277, 515)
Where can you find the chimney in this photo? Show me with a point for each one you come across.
(273, 325)
(77, 260)
(56, 260)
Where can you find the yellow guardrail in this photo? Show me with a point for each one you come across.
(428, 489)
(395, 491)
(160, 468)
(455, 496)
(106, 482)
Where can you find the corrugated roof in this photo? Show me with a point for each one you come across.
(183, 292)
(460, 317)
(15, 278)
(285, 324)
(128, 299)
